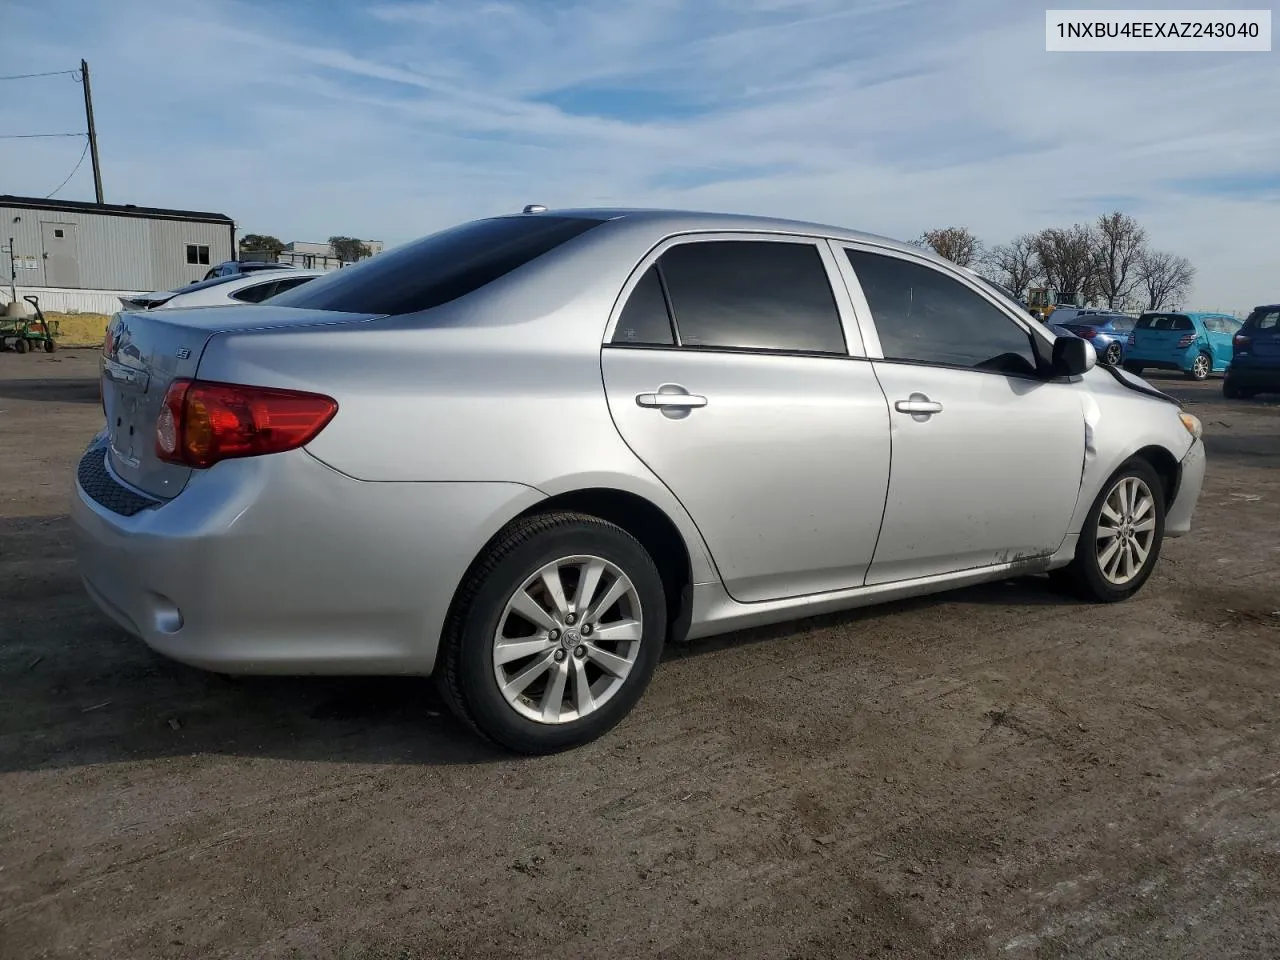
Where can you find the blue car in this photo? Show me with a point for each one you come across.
(1108, 332)
(1195, 343)
(1255, 361)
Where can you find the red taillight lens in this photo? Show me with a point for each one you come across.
(1187, 340)
(1241, 340)
(1133, 339)
(202, 423)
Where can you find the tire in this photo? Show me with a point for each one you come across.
(1085, 576)
(1111, 356)
(50, 346)
(1201, 367)
(534, 720)
(21, 345)
(1231, 391)
(1134, 368)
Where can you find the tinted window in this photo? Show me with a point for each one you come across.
(751, 294)
(1121, 324)
(925, 316)
(256, 293)
(1164, 321)
(280, 286)
(1268, 319)
(645, 319)
(438, 268)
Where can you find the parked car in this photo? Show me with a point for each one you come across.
(1255, 359)
(1198, 344)
(234, 268)
(1108, 332)
(221, 291)
(523, 453)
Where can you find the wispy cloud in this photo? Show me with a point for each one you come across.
(390, 120)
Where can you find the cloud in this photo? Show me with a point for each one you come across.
(391, 120)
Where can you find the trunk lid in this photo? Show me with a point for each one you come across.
(145, 351)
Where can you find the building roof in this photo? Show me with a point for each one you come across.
(112, 209)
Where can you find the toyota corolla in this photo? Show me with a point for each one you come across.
(523, 453)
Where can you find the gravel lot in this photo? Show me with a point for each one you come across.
(996, 772)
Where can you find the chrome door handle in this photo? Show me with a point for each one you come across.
(671, 395)
(918, 406)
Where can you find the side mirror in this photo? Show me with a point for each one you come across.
(1073, 357)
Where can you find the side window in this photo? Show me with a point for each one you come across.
(280, 286)
(1266, 321)
(752, 294)
(644, 319)
(924, 316)
(255, 293)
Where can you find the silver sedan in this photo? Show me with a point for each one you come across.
(523, 453)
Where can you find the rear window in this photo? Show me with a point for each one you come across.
(1164, 321)
(1267, 318)
(438, 268)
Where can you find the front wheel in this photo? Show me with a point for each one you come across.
(1111, 356)
(1201, 367)
(555, 633)
(1121, 538)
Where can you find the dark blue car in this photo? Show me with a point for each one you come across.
(1255, 355)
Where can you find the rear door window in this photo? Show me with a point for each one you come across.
(752, 295)
(439, 268)
(645, 320)
(1265, 320)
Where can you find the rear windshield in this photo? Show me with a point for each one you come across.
(1264, 318)
(437, 269)
(1164, 321)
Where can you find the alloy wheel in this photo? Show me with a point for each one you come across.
(1126, 530)
(1112, 356)
(1200, 367)
(567, 639)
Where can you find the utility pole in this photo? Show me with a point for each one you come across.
(13, 275)
(93, 134)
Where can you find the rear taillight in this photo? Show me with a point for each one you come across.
(1087, 333)
(1187, 340)
(202, 422)
(1241, 340)
(1133, 339)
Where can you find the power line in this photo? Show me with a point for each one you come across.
(35, 136)
(51, 73)
(73, 170)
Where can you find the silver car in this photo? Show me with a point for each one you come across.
(523, 453)
(224, 290)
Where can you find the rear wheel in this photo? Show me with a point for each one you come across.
(1201, 367)
(1121, 538)
(50, 345)
(1231, 391)
(1111, 356)
(554, 634)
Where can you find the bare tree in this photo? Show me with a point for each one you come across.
(1066, 259)
(1121, 242)
(957, 244)
(1012, 265)
(1166, 277)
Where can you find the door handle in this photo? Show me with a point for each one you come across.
(671, 395)
(919, 406)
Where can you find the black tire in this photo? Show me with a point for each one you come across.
(1231, 391)
(1134, 368)
(1084, 576)
(1111, 356)
(1202, 374)
(21, 345)
(50, 346)
(465, 668)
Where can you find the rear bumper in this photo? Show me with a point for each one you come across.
(282, 565)
(1177, 521)
(1255, 376)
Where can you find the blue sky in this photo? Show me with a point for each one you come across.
(390, 120)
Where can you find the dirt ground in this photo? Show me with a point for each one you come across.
(992, 773)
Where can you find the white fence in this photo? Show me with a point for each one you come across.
(65, 300)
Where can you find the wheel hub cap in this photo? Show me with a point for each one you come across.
(567, 639)
(1126, 530)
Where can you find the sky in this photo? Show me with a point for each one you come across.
(389, 120)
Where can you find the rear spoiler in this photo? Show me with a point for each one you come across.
(145, 301)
